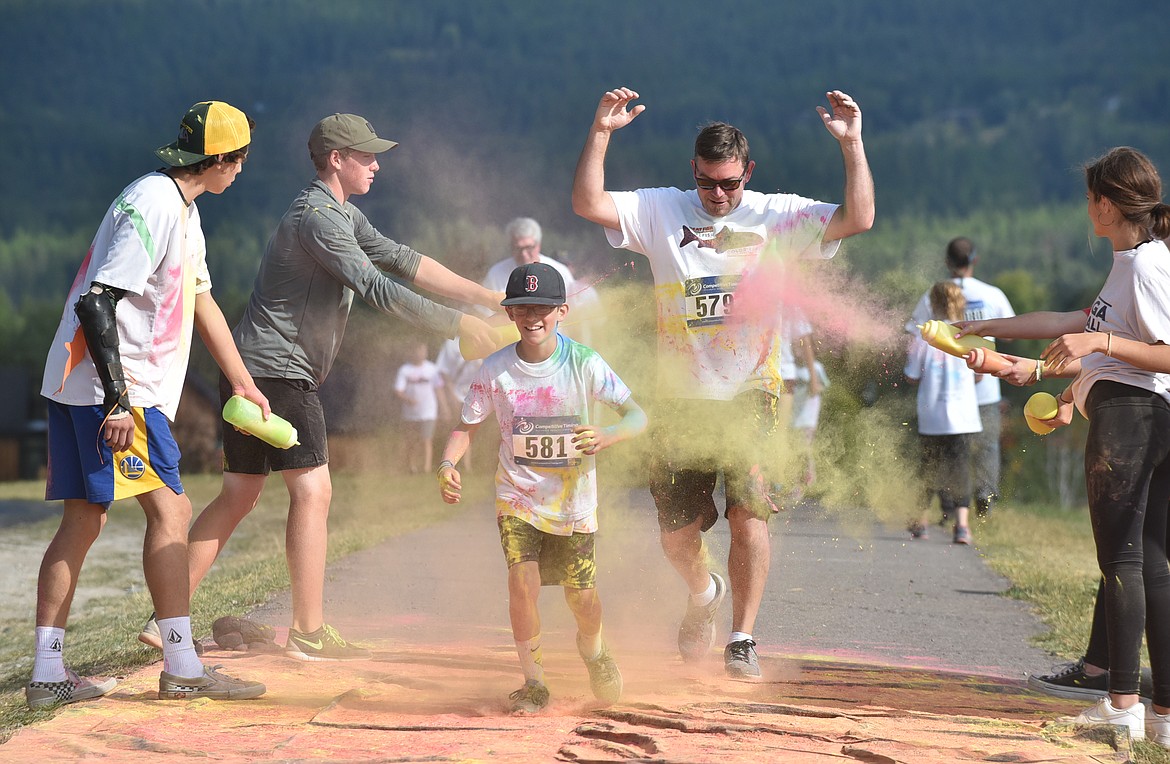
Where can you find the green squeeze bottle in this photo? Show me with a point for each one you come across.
(277, 431)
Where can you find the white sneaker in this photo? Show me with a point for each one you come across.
(1158, 727)
(1103, 713)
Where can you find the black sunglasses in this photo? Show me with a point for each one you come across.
(730, 184)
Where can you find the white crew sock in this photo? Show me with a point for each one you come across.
(738, 636)
(48, 665)
(531, 658)
(707, 595)
(179, 657)
(589, 645)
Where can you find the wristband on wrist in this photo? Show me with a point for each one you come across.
(1060, 398)
(1039, 370)
(446, 463)
(1109, 346)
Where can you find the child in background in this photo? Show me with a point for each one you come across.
(806, 413)
(541, 389)
(948, 411)
(416, 386)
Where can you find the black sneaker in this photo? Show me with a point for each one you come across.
(324, 644)
(1071, 681)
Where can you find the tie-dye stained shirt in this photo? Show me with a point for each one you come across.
(149, 243)
(541, 478)
(698, 262)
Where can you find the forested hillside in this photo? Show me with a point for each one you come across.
(966, 105)
(977, 116)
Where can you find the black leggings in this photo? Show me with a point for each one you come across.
(1127, 472)
(946, 470)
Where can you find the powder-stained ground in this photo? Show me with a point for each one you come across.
(874, 649)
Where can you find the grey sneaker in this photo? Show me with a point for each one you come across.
(962, 535)
(71, 690)
(151, 636)
(530, 698)
(696, 633)
(604, 677)
(324, 644)
(212, 685)
(740, 660)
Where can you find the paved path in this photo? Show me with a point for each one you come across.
(874, 648)
(840, 585)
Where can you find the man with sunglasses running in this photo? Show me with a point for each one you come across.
(716, 389)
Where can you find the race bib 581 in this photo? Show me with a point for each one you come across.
(545, 441)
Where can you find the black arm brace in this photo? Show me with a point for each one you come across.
(95, 309)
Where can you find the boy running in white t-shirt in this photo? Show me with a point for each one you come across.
(541, 389)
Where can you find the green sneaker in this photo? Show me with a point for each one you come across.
(71, 690)
(530, 698)
(324, 644)
(604, 677)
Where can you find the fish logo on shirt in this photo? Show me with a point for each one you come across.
(726, 240)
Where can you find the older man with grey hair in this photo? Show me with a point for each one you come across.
(524, 239)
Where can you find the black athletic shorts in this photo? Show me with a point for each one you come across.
(695, 440)
(294, 399)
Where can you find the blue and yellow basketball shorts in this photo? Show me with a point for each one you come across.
(82, 466)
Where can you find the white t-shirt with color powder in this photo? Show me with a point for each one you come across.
(150, 244)
(542, 479)
(984, 301)
(1134, 304)
(698, 261)
(419, 382)
(947, 404)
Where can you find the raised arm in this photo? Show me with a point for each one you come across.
(856, 213)
(590, 199)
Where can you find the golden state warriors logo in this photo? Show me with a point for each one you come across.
(131, 467)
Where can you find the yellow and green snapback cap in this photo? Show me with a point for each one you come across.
(209, 128)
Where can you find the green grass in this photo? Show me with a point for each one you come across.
(102, 635)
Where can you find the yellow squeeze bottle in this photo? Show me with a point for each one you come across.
(506, 334)
(941, 335)
(246, 415)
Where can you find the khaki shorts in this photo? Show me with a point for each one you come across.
(566, 561)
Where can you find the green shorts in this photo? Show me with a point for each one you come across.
(564, 560)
